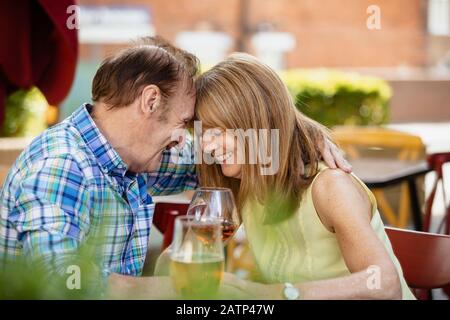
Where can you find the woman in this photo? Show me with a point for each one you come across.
(315, 233)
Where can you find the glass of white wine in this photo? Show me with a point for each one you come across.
(197, 258)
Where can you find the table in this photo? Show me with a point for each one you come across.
(383, 172)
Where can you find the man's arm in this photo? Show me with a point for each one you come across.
(331, 154)
(51, 212)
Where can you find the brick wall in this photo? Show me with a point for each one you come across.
(328, 32)
(334, 32)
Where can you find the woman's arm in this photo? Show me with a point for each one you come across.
(344, 208)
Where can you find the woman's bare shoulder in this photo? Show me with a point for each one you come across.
(338, 196)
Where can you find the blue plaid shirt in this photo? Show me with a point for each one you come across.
(70, 181)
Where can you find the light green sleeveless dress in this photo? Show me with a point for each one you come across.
(300, 248)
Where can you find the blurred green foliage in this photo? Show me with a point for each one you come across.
(339, 98)
(34, 280)
(25, 114)
(75, 275)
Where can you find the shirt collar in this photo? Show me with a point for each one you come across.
(106, 156)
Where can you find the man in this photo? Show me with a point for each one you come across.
(91, 171)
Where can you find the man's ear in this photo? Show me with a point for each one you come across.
(150, 99)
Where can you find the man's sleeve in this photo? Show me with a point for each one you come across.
(51, 213)
(176, 173)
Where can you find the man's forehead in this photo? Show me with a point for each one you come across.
(186, 94)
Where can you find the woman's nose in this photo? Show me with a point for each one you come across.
(209, 147)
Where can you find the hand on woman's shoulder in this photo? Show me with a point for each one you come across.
(339, 199)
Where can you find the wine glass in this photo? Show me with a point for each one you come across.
(197, 259)
(207, 203)
(217, 203)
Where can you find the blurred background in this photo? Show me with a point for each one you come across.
(367, 63)
(410, 48)
(396, 51)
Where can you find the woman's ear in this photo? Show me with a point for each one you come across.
(150, 99)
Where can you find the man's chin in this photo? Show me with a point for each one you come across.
(155, 164)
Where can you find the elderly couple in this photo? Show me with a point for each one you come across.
(108, 159)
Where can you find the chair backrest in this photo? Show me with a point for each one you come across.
(424, 257)
(436, 161)
(351, 139)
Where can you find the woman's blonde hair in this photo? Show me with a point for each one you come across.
(243, 93)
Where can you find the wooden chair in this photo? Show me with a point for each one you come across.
(424, 258)
(437, 161)
(355, 141)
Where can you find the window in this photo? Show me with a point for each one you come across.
(438, 17)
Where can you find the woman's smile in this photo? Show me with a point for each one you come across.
(223, 158)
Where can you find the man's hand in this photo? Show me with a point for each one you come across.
(334, 157)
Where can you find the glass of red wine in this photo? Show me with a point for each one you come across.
(216, 203)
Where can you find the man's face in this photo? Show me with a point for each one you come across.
(162, 131)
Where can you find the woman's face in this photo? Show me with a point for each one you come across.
(223, 147)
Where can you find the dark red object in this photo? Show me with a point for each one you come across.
(36, 48)
(436, 162)
(424, 258)
(164, 219)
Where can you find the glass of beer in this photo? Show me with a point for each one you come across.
(197, 259)
(217, 203)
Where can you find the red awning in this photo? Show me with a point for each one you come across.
(36, 48)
